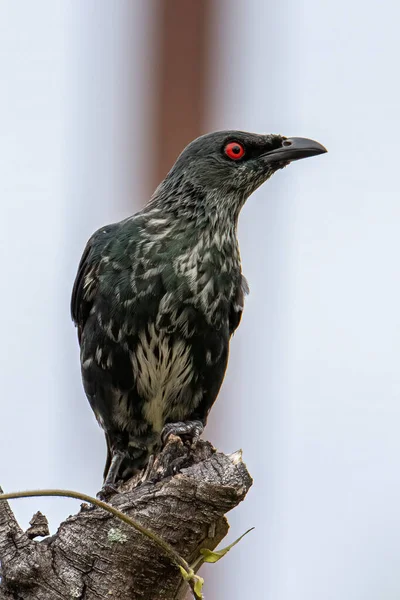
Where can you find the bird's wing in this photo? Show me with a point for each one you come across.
(237, 305)
(86, 281)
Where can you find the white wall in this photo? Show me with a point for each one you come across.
(73, 146)
(312, 394)
(33, 105)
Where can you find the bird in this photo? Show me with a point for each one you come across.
(158, 296)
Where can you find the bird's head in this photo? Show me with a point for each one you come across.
(225, 167)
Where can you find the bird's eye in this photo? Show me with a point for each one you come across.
(234, 150)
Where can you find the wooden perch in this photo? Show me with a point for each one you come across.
(182, 497)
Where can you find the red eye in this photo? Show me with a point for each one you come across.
(234, 150)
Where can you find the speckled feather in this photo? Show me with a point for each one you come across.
(158, 296)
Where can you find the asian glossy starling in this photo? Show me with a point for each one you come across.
(158, 296)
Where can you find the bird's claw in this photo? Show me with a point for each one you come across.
(189, 429)
(106, 492)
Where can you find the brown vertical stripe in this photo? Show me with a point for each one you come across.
(182, 77)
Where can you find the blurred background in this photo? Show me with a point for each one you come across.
(97, 100)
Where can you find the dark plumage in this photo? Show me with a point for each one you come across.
(158, 295)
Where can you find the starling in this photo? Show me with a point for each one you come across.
(158, 296)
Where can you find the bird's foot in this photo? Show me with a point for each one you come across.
(109, 488)
(106, 492)
(191, 430)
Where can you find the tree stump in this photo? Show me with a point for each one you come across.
(182, 496)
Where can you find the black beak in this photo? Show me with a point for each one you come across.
(294, 149)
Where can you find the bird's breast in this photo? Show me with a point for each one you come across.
(165, 374)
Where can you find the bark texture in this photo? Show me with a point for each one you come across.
(182, 497)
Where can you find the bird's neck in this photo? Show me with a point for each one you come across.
(195, 220)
